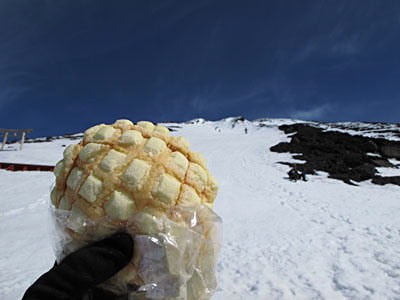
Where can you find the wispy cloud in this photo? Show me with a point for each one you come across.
(9, 95)
(348, 46)
(315, 113)
(325, 46)
(14, 85)
(199, 104)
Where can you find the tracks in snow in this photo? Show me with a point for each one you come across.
(311, 240)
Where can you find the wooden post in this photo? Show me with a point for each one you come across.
(4, 140)
(22, 140)
(14, 132)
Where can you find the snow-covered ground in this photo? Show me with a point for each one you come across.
(320, 239)
(374, 130)
(389, 171)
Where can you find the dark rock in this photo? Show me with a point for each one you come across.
(281, 147)
(363, 172)
(386, 180)
(374, 145)
(236, 120)
(382, 163)
(343, 156)
(391, 151)
(173, 127)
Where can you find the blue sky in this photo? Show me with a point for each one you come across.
(66, 65)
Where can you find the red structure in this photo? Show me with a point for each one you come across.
(25, 167)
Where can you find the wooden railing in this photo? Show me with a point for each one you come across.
(14, 132)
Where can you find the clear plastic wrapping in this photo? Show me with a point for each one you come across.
(175, 253)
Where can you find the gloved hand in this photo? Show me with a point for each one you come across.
(78, 274)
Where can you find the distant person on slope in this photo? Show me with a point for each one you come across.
(295, 175)
(77, 276)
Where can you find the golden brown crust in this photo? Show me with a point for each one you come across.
(123, 168)
(141, 160)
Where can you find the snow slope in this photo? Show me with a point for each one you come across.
(320, 239)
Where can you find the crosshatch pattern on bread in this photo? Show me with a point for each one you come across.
(122, 168)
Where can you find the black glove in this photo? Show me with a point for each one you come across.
(78, 274)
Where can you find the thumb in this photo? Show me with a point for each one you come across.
(83, 269)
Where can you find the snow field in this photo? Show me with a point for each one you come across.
(25, 245)
(320, 239)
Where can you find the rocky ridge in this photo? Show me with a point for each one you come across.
(346, 157)
(347, 151)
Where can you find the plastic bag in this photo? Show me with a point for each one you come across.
(175, 253)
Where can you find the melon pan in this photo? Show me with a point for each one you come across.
(140, 179)
(122, 168)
